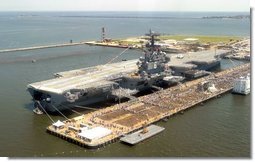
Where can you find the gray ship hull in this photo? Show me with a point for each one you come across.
(61, 104)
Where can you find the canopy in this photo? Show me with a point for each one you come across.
(58, 124)
(191, 39)
(95, 133)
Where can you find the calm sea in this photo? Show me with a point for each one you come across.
(220, 128)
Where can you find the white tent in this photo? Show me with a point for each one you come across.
(58, 124)
(95, 133)
(191, 39)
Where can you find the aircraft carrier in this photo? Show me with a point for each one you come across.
(79, 87)
(116, 80)
(94, 84)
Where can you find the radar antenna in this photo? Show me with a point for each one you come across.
(152, 40)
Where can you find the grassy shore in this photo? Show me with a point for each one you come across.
(201, 39)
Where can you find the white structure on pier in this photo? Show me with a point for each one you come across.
(242, 85)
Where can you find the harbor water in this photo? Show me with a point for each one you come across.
(219, 128)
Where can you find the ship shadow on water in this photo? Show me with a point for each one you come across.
(29, 106)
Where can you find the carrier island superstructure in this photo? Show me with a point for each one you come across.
(116, 80)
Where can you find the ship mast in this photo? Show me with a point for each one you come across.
(151, 45)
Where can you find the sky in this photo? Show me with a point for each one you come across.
(125, 5)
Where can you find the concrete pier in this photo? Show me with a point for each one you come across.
(128, 117)
(41, 47)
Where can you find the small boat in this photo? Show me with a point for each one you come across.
(37, 111)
